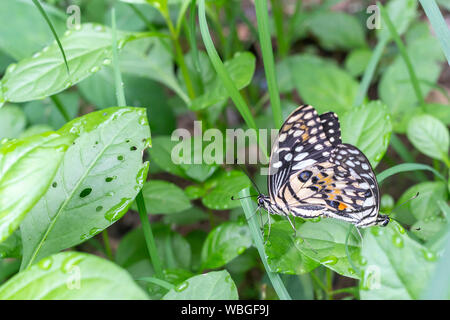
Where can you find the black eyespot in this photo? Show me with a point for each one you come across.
(304, 176)
(333, 204)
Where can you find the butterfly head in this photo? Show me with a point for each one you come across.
(382, 220)
(263, 201)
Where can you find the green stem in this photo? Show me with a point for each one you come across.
(329, 283)
(159, 282)
(318, 282)
(107, 245)
(277, 12)
(148, 235)
(370, 71)
(58, 104)
(404, 54)
(267, 53)
(275, 279)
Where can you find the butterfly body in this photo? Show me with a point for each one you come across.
(312, 173)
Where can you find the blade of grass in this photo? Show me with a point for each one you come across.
(249, 208)
(405, 155)
(404, 167)
(107, 245)
(47, 19)
(401, 47)
(439, 26)
(369, 72)
(120, 94)
(159, 282)
(277, 12)
(262, 17)
(58, 104)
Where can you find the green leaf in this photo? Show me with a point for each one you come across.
(27, 167)
(240, 68)
(394, 265)
(357, 61)
(188, 216)
(45, 74)
(402, 13)
(162, 197)
(283, 254)
(425, 229)
(45, 111)
(324, 242)
(11, 247)
(12, 121)
(72, 276)
(224, 243)
(34, 130)
(369, 128)
(337, 30)
(430, 136)
(439, 111)
(161, 154)
(216, 285)
(322, 84)
(225, 186)
(16, 29)
(99, 177)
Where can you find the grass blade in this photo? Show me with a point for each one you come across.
(47, 19)
(262, 17)
(249, 208)
(404, 167)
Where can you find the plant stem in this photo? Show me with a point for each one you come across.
(277, 12)
(107, 245)
(274, 278)
(267, 53)
(404, 54)
(148, 235)
(159, 282)
(58, 104)
(318, 282)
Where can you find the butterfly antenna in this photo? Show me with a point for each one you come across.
(233, 198)
(249, 177)
(405, 202)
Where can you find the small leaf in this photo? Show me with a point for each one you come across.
(224, 243)
(216, 285)
(430, 136)
(72, 276)
(100, 175)
(162, 197)
(225, 186)
(390, 261)
(283, 255)
(12, 121)
(369, 128)
(240, 68)
(357, 61)
(27, 168)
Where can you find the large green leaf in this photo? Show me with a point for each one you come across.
(216, 285)
(162, 197)
(20, 38)
(45, 74)
(324, 242)
(240, 68)
(430, 136)
(369, 128)
(99, 177)
(322, 84)
(337, 30)
(72, 276)
(12, 121)
(283, 254)
(394, 265)
(223, 187)
(224, 243)
(27, 167)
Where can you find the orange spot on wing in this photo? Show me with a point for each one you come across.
(342, 206)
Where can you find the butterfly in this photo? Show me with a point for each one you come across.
(313, 174)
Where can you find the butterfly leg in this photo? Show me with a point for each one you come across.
(270, 224)
(292, 225)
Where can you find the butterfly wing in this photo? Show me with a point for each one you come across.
(301, 142)
(331, 127)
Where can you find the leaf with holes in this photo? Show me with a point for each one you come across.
(162, 197)
(391, 259)
(89, 277)
(27, 168)
(45, 74)
(222, 188)
(224, 243)
(100, 175)
(369, 128)
(216, 285)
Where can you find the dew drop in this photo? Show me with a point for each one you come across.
(241, 250)
(67, 33)
(329, 260)
(376, 231)
(428, 255)
(400, 229)
(362, 261)
(279, 270)
(116, 212)
(397, 241)
(299, 241)
(45, 263)
(107, 61)
(36, 55)
(95, 69)
(314, 220)
(11, 68)
(182, 286)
